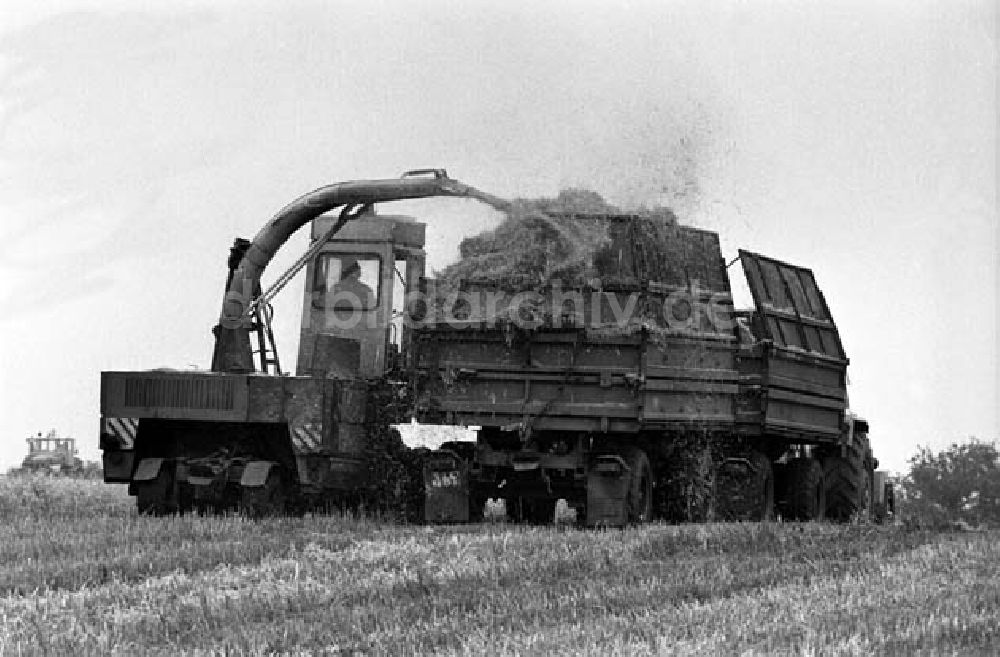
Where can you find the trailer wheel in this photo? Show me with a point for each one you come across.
(804, 492)
(848, 483)
(640, 493)
(745, 488)
(269, 499)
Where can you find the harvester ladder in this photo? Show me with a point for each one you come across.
(266, 346)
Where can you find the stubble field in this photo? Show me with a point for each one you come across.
(81, 573)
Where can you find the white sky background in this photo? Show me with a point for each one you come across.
(855, 139)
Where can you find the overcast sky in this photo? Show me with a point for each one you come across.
(858, 139)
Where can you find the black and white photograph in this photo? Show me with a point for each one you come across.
(441, 327)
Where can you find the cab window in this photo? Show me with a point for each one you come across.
(347, 281)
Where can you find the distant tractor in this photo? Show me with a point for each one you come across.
(52, 455)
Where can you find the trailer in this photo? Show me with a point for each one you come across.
(592, 396)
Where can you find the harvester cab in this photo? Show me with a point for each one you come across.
(355, 294)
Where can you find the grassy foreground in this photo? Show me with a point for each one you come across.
(81, 573)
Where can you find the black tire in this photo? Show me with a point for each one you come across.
(745, 489)
(804, 492)
(157, 497)
(270, 499)
(848, 482)
(640, 492)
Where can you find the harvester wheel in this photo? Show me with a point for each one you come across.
(157, 497)
(745, 488)
(804, 493)
(640, 492)
(270, 499)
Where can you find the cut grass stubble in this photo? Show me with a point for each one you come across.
(114, 582)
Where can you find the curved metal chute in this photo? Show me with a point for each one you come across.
(233, 351)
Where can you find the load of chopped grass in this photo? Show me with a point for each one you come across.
(541, 241)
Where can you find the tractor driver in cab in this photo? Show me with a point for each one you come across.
(350, 293)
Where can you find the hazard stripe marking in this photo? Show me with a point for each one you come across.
(123, 428)
(307, 438)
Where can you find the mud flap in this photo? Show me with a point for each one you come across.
(148, 469)
(607, 492)
(155, 486)
(255, 473)
(446, 488)
(117, 466)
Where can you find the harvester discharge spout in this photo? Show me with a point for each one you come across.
(233, 351)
